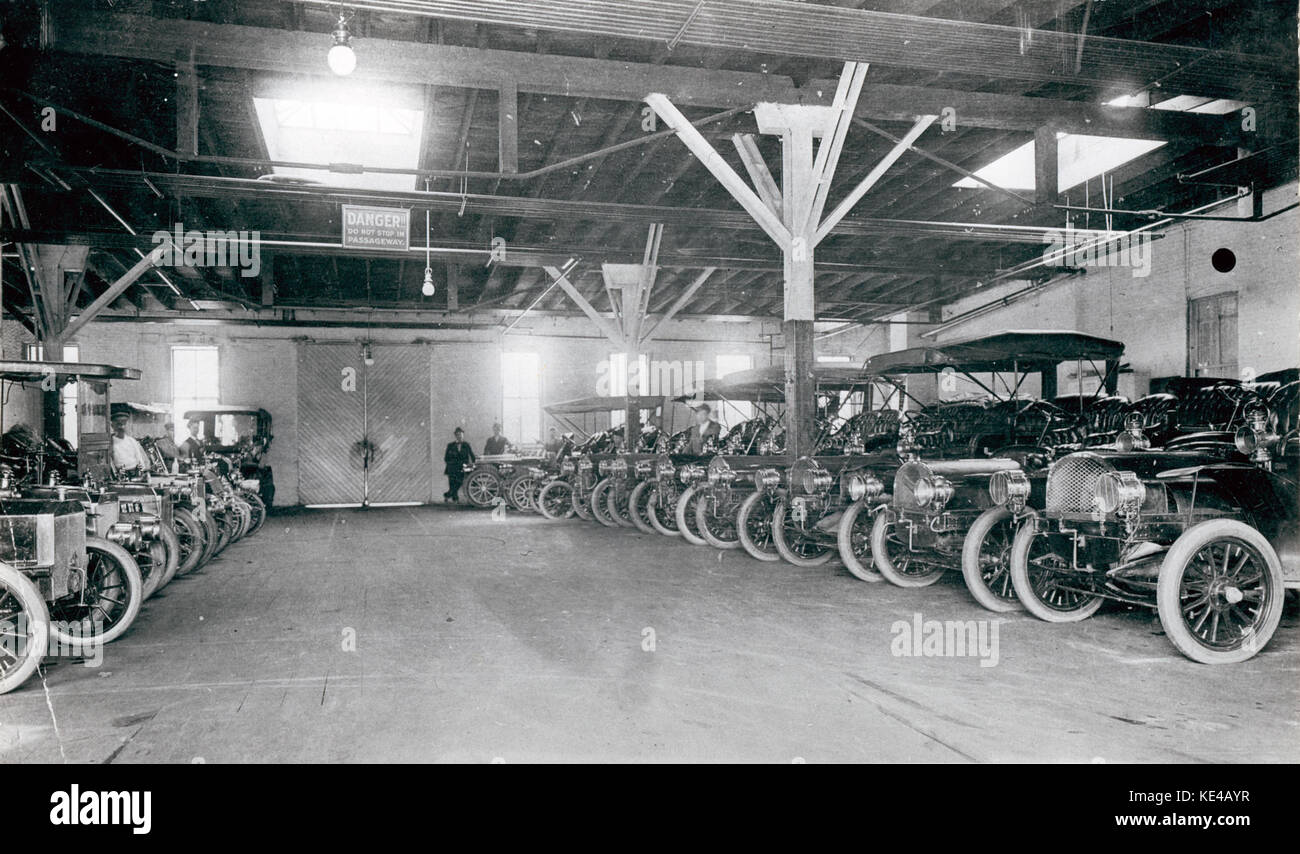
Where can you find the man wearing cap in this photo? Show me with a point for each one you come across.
(458, 455)
(128, 454)
(192, 447)
(704, 429)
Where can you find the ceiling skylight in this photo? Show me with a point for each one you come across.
(320, 131)
(1081, 158)
(1078, 158)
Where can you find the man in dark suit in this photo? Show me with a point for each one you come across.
(496, 443)
(704, 429)
(458, 455)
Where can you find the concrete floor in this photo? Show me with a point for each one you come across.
(522, 640)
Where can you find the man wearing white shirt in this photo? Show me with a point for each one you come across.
(128, 454)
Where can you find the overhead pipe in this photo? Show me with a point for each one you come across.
(1019, 270)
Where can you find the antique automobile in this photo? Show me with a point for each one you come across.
(655, 497)
(853, 421)
(32, 459)
(740, 481)
(579, 471)
(1206, 412)
(506, 477)
(522, 490)
(240, 436)
(1203, 530)
(137, 519)
(621, 474)
(195, 529)
(947, 452)
(57, 582)
(569, 493)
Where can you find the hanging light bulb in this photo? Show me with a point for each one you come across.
(342, 60)
(427, 290)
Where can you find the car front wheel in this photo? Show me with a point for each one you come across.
(754, 526)
(555, 501)
(1220, 592)
(895, 560)
(1041, 576)
(793, 544)
(686, 518)
(854, 540)
(986, 560)
(24, 628)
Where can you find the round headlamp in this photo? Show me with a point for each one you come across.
(933, 491)
(857, 486)
(1120, 492)
(719, 472)
(665, 469)
(584, 465)
(603, 467)
(809, 477)
(691, 472)
(617, 467)
(644, 468)
(767, 478)
(1009, 488)
(567, 467)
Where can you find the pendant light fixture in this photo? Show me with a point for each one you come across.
(428, 288)
(342, 61)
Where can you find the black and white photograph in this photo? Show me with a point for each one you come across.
(649, 382)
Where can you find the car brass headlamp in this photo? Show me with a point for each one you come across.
(567, 467)
(603, 468)
(1133, 438)
(934, 492)
(865, 486)
(150, 527)
(1009, 489)
(767, 479)
(644, 468)
(809, 477)
(691, 472)
(720, 473)
(125, 534)
(535, 472)
(1120, 492)
(665, 469)
(618, 468)
(584, 465)
(1254, 439)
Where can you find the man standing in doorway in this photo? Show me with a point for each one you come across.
(458, 455)
(496, 443)
(705, 428)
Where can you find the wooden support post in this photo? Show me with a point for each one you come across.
(187, 105)
(508, 126)
(800, 405)
(453, 287)
(1046, 179)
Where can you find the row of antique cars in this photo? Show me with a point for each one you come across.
(1183, 501)
(83, 547)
